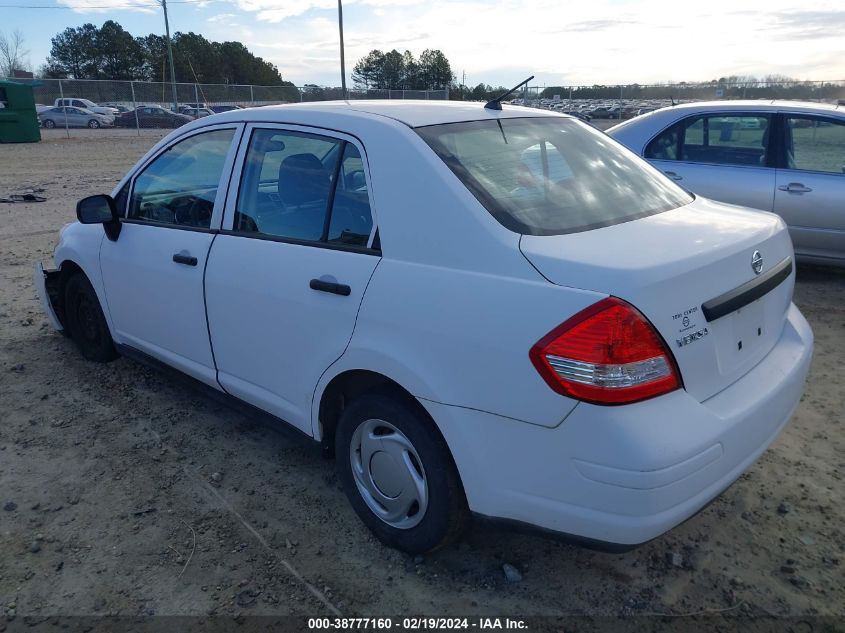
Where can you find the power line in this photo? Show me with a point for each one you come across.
(95, 7)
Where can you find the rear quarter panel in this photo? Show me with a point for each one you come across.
(461, 338)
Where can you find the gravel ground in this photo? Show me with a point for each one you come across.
(125, 492)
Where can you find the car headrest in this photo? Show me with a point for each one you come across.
(303, 179)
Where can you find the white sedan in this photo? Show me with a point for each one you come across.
(782, 156)
(477, 311)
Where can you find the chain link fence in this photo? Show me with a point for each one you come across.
(125, 107)
(70, 105)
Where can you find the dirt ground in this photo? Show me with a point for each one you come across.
(111, 502)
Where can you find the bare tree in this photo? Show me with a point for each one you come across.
(12, 53)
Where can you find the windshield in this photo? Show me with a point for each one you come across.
(551, 175)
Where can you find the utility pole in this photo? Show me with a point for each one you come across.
(170, 56)
(342, 60)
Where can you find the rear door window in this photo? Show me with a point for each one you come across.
(550, 175)
(726, 139)
(304, 187)
(815, 144)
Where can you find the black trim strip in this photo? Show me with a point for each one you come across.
(750, 291)
(164, 225)
(363, 250)
(327, 220)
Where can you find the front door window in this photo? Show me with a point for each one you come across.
(180, 186)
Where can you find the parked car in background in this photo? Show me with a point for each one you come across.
(85, 104)
(589, 349)
(197, 113)
(117, 106)
(225, 108)
(786, 157)
(579, 115)
(151, 117)
(73, 117)
(187, 106)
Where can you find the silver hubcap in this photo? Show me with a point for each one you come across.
(389, 474)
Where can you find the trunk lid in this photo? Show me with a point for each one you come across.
(668, 265)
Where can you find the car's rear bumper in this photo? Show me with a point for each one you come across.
(40, 280)
(626, 474)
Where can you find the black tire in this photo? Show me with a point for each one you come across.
(85, 321)
(93, 124)
(49, 124)
(447, 515)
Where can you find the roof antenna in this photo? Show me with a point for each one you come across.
(672, 99)
(496, 104)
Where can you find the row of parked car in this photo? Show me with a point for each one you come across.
(588, 109)
(77, 112)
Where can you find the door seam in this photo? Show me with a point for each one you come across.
(207, 322)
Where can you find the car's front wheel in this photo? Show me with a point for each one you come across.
(49, 124)
(85, 320)
(399, 475)
(93, 124)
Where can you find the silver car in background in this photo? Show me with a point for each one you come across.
(782, 156)
(69, 116)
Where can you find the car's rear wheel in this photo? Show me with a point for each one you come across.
(93, 124)
(49, 124)
(85, 320)
(399, 475)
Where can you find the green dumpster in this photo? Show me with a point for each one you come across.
(18, 120)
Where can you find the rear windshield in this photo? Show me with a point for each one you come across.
(550, 175)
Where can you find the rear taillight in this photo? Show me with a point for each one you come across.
(606, 354)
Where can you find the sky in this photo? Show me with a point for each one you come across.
(494, 42)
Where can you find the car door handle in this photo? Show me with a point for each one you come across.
(330, 286)
(795, 187)
(183, 258)
(673, 175)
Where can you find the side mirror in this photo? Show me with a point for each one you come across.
(99, 209)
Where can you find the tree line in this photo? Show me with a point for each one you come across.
(111, 52)
(402, 71)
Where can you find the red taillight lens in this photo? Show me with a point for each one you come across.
(607, 354)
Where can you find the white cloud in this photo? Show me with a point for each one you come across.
(607, 41)
(502, 41)
(278, 10)
(221, 17)
(102, 6)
